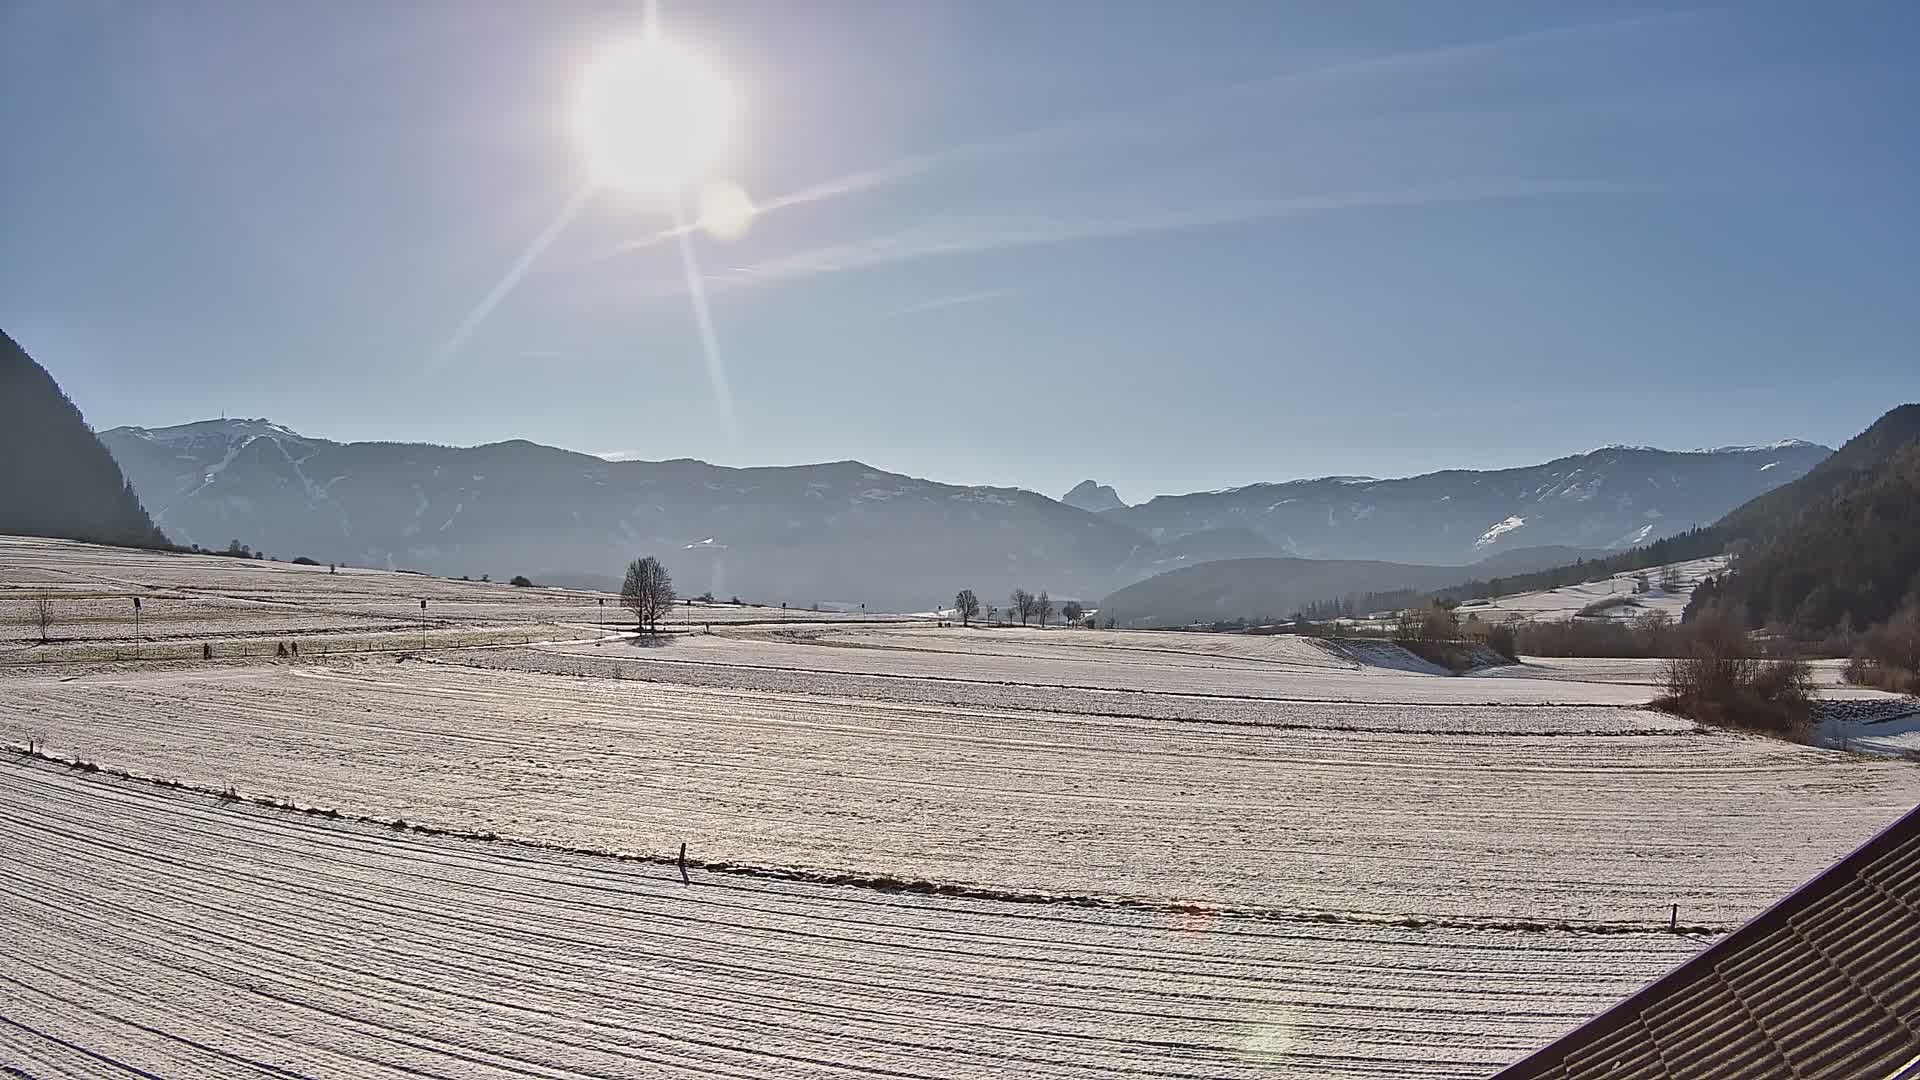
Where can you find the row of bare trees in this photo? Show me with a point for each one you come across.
(1028, 606)
(1022, 605)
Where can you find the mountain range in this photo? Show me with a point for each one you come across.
(847, 533)
(1832, 552)
(1611, 498)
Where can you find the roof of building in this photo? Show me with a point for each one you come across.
(1826, 983)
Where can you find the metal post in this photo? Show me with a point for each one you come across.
(136, 628)
(423, 624)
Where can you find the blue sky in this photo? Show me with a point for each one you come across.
(1168, 246)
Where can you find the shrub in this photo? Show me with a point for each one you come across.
(521, 581)
(1721, 682)
(1650, 635)
(1608, 603)
(1435, 622)
(1888, 656)
(1501, 639)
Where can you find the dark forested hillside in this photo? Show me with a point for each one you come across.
(1844, 563)
(55, 477)
(1765, 514)
(1797, 509)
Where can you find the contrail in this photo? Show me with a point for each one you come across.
(696, 288)
(514, 273)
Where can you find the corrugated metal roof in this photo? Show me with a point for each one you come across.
(1826, 984)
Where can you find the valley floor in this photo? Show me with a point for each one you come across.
(917, 851)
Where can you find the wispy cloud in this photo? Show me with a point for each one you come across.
(1173, 117)
(948, 238)
(1172, 112)
(941, 303)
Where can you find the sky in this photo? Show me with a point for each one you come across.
(1170, 247)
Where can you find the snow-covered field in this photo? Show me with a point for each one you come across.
(1570, 600)
(951, 852)
(169, 933)
(1295, 669)
(246, 606)
(1489, 812)
(1648, 674)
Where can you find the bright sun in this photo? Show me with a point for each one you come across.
(653, 117)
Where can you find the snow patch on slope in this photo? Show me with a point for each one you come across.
(1493, 535)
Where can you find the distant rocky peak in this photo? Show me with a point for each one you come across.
(1093, 497)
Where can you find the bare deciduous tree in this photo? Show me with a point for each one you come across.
(1043, 608)
(43, 613)
(1435, 622)
(966, 605)
(1072, 611)
(1020, 603)
(647, 591)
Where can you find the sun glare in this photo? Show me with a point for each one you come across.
(653, 117)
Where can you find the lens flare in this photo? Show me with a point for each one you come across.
(725, 210)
